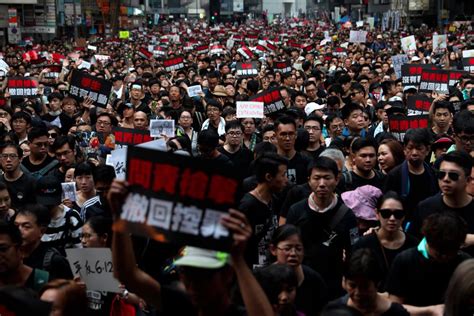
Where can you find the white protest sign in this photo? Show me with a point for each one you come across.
(249, 109)
(229, 44)
(4, 65)
(102, 58)
(440, 42)
(468, 53)
(409, 44)
(397, 62)
(118, 159)
(90, 47)
(95, 268)
(84, 65)
(69, 191)
(360, 23)
(162, 127)
(194, 91)
(371, 22)
(357, 36)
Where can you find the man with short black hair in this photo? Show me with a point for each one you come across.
(328, 227)
(20, 123)
(414, 180)
(313, 124)
(64, 148)
(240, 156)
(353, 116)
(463, 125)
(55, 115)
(38, 162)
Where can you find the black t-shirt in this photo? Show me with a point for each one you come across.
(22, 190)
(323, 256)
(65, 121)
(420, 281)
(264, 221)
(241, 160)
(313, 154)
(311, 295)
(351, 181)
(58, 266)
(33, 168)
(435, 204)
(294, 195)
(298, 169)
(394, 310)
(372, 242)
(99, 303)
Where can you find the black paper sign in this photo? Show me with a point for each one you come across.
(84, 85)
(272, 101)
(434, 80)
(129, 136)
(246, 70)
(23, 87)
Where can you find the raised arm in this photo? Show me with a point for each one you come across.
(123, 257)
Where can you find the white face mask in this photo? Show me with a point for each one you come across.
(55, 113)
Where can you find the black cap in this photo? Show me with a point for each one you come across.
(48, 191)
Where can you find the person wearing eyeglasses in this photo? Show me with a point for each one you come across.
(240, 156)
(38, 162)
(287, 248)
(21, 185)
(388, 240)
(20, 123)
(313, 124)
(463, 125)
(453, 177)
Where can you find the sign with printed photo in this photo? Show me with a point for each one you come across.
(172, 64)
(409, 45)
(158, 128)
(246, 70)
(400, 124)
(440, 43)
(130, 136)
(434, 80)
(69, 191)
(272, 100)
(177, 198)
(419, 104)
(23, 87)
(357, 36)
(84, 85)
(194, 91)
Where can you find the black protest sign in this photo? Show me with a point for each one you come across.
(282, 66)
(23, 87)
(434, 80)
(173, 63)
(419, 104)
(84, 85)
(411, 73)
(202, 49)
(129, 136)
(54, 71)
(177, 198)
(468, 64)
(454, 76)
(272, 101)
(246, 70)
(399, 124)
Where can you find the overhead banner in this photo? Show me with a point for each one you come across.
(173, 64)
(178, 199)
(246, 70)
(434, 80)
(272, 100)
(23, 87)
(282, 66)
(130, 136)
(400, 124)
(84, 85)
(419, 104)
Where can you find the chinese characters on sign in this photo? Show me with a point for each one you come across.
(419, 104)
(23, 87)
(272, 101)
(177, 198)
(282, 66)
(244, 70)
(128, 136)
(399, 124)
(84, 85)
(174, 64)
(434, 80)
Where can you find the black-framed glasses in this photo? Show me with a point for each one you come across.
(387, 213)
(454, 176)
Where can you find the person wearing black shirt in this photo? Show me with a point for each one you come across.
(364, 151)
(313, 125)
(56, 116)
(38, 161)
(419, 276)
(257, 205)
(285, 129)
(413, 180)
(453, 176)
(138, 98)
(208, 140)
(32, 222)
(328, 227)
(240, 156)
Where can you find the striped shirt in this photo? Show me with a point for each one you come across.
(64, 231)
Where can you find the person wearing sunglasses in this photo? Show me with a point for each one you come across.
(38, 162)
(388, 240)
(453, 176)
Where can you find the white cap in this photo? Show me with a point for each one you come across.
(415, 58)
(313, 106)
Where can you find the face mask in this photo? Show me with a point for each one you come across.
(55, 113)
(465, 94)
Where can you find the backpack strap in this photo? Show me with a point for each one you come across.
(347, 175)
(41, 277)
(341, 211)
(48, 167)
(48, 258)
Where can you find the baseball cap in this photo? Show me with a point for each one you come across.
(442, 142)
(408, 88)
(313, 106)
(48, 191)
(202, 258)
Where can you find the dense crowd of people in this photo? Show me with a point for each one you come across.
(338, 214)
